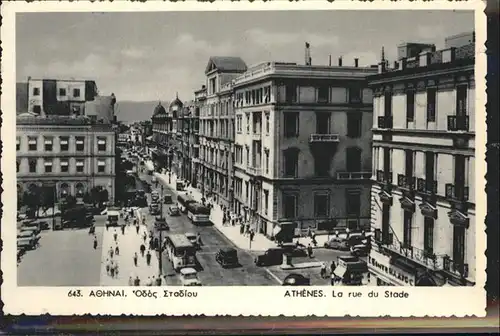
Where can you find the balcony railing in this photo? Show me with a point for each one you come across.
(427, 186)
(256, 171)
(456, 192)
(425, 258)
(354, 175)
(384, 177)
(384, 238)
(385, 122)
(458, 123)
(458, 268)
(324, 138)
(406, 182)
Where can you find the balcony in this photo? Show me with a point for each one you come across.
(406, 182)
(458, 123)
(354, 176)
(422, 257)
(324, 138)
(427, 186)
(456, 268)
(256, 135)
(384, 122)
(384, 177)
(456, 192)
(255, 171)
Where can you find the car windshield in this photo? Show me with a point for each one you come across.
(190, 276)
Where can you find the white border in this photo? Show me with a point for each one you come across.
(230, 300)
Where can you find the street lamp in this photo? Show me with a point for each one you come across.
(160, 265)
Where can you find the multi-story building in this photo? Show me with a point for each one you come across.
(59, 96)
(217, 120)
(303, 146)
(175, 111)
(72, 154)
(184, 140)
(199, 101)
(423, 199)
(162, 129)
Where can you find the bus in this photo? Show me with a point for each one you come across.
(198, 213)
(180, 251)
(183, 201)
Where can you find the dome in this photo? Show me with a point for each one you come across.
(159, 109)
(176, 102)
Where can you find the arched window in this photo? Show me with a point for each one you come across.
(80, 189)
(353, 159)
(64, 190)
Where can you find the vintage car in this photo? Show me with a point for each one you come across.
(174, 210)
(337, 243)
(360, 250)
(294, 249)
(189, 277)
(154, 209)
(295, 279)
(112, 218)
(155, 196)
(227, 257)
(273, 256)
(161, 224)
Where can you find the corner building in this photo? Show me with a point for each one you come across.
(423, 199)
(302, 149)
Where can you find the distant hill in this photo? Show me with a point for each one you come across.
(136, 111)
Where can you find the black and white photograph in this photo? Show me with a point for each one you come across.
(242, 148)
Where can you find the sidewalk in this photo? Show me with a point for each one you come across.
(260, 242)
(128, 244)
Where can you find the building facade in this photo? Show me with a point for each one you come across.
(302, 151)
(423, 197)
(216, 132)
(199, 102)
(162, 138)
(73, 154)
(175, 153)
(59, 96)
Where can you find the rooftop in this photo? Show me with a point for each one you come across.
(30, 119)
(225, 64)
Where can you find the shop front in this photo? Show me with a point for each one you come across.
(384, 271)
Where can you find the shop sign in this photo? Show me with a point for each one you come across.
(382, 263)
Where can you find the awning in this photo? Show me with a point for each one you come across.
(32, 142)
(48, 142)
(79, 163)
(101, 163)
(48, 163)
(64, 163)
(79, 142)
(64, 142)
(340, 271)
(101, 142)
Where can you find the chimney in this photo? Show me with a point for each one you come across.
(307, 55)
(340, 61)
(329, 60)
(356, 62)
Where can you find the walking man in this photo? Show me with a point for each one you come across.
(309, 251)
(323, 270)
(252, 234)
(95, 242)
(130, 281)
(148, 258)
(123, 229)
(115, 236)
(142, 249)
(135, 258)
(117, 250)
(137, 228)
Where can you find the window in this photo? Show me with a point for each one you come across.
(354, 95)
(410, 106)
(323, 93)
(291, 158)
(353, 159)
(321, 166)
(387, 159)
(461, 108)
(428, 235)
(289, 206)
(248, 123)
(37, 109)
(266, 153)
(407, 224)
(291, 124)
(64, 143)
(386, 218)
(101, 166)
(458, 245)
(18, 144)
(62, 92)
(17, 166)
(79, 166)
(322, 122)
(247, 156)
(429, 166)
(32, 165)
(80, 145)
(431, 105)
(64, 166)
(101, 144)
(76, 93)
(36, 91)
(354, 121)
(409, 163)
(238, 123)
(267, 94)
(32, 143)
(267, 123)
(48, 166)
(321, 205)
(291, 93)
(353, 202)
(48, 144)
(388, 104)
(246, 191)
(266, 201)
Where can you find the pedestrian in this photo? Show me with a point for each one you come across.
(247, 228)
(233, 222)
(135, 258)
(332, 279)
(144, 237)
(137, 281)
(137, 229)
(135, 221)
(107, 228)
(309, 232)
(156, 243)
(158, 281)
(115, 236)
(112, 270)
(224, 220)
(313, 240)
(142, 249)
(95, 243)
(111, 252)
(123, 229)
(332, 267)
(309, 251)
(252, 234)
(242, 228)
(148, 258)
(107, 266)
(130, 281)
(116, 269)
(117, 250)
(198, 239)
(323, 270)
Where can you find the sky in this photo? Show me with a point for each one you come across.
(147, 56)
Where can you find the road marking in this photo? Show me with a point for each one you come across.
(274, 276)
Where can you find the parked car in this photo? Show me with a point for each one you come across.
(294, 249)
(361, 250)
(174, 210)
(273, 256)
(295, 279)
(161, 224)
(189, 277)
(227, 257)
(337, 243)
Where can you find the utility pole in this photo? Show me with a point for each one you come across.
(161, 238)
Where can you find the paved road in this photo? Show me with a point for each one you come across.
(64, 258)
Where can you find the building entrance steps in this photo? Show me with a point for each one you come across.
(128, 244)
(259, 243)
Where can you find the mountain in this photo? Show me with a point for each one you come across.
(136, 110)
